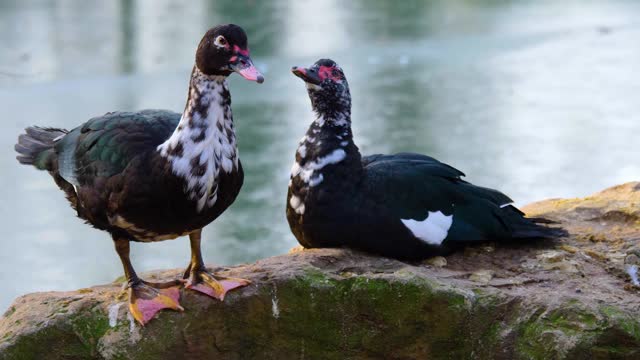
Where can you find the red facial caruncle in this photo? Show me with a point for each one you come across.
(240, 51)
(328, 72)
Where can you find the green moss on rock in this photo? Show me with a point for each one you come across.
(341, 304)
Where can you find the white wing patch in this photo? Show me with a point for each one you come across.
(432, 230)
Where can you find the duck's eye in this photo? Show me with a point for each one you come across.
(220, 41)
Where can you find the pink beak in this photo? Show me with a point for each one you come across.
(251, 73)
(243, 65)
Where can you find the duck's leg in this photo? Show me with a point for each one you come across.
(199, 279)
(146, 298)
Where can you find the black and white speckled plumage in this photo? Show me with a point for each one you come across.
(203, 145)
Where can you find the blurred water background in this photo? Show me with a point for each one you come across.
(539, 99)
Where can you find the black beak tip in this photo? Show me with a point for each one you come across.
(260, 79)
(297, 71)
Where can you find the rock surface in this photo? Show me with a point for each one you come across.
(570, 298)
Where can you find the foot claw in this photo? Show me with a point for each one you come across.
(146, 300)
(208, 284)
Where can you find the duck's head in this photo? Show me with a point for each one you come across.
(327, 87)
(224, 50)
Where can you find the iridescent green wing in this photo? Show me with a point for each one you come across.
(104, 145)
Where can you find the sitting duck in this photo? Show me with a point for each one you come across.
(406, 206)
(155, 175)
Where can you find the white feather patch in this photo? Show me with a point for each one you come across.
(296, 204)
(432, 230)
(310, 171)
(302, 150)
(311, 86)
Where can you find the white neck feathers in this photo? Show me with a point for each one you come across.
(204, 143)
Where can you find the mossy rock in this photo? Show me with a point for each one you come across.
(342, 304)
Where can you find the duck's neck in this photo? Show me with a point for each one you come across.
(328, 141)
(204, 143)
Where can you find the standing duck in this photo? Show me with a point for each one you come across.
(406, 206)
(156, 175)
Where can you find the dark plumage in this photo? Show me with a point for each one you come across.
(155, 175)
(407, 206)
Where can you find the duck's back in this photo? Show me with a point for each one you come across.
(422, 207)
(105, 145)
(409, 206)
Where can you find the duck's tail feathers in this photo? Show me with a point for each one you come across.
(537, 228)
(535, 231)
(35, 146)
(531, 228)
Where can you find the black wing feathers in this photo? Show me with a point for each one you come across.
(104, 145)
(412, 185)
